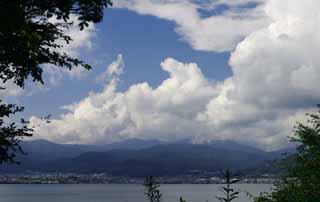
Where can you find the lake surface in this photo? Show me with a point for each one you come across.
(118, 192)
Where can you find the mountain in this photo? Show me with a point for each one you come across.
(44, 150)
(140, 157)
(134, 144)
(234, 146)
(41, 152)
(171, 159)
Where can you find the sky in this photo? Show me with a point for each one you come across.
(242, 70)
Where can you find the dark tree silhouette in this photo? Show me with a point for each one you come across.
(152, 189)
(29, 39)
(11, 134)
(301, 181)
(181, 199)
(229, 193)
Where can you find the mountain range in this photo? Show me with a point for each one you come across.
(138, 158)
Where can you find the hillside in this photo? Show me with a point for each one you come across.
(140, 158)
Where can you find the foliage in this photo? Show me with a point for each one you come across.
(11, 134)
(301, 182)
(181, 199)
(229, 193)
(152, 189)
(30, 38)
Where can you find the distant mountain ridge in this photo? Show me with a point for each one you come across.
(137, 157)
(45, 150)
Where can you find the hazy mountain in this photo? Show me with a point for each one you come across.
(139, 157)
(41, 151)
(134, 144)
(171, 159)
(234, 146)
(44, 150)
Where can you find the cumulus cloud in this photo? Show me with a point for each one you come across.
(214, 33)
(166, 112)
(275, 77)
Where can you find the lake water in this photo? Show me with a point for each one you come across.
(118, 192)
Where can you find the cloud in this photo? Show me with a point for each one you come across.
(276, 74)
(166, 112)
(278, 65)
(214, 33)
(115, 69)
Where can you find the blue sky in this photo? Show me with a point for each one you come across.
(175, 69)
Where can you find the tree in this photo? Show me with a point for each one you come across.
(11, 134)
(229, 193)
(301, 182)
(152, 189)
(30, 39)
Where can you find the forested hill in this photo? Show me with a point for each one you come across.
(141, 158)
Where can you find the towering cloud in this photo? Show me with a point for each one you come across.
(167, 112)
(275, 76)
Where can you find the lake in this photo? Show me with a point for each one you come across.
(118, 192)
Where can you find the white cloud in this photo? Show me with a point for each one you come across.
(166, 112)
(115, 69)
(276, 74)
(214, 33)
(279, 64)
